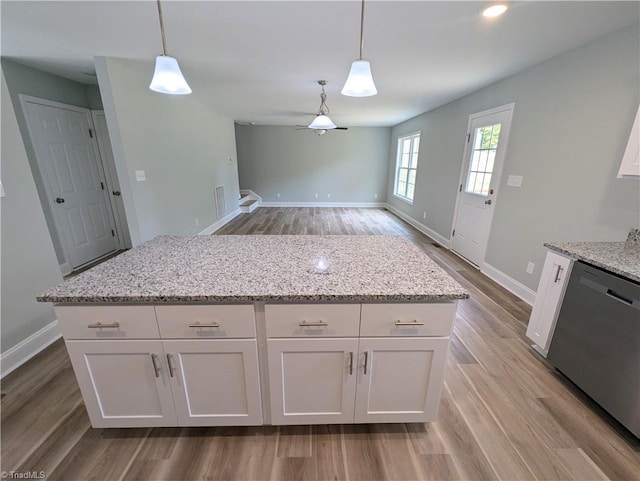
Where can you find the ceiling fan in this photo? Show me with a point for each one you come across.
(321, 123)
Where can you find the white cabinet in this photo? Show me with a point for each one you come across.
(312, 381)
(214, 382)
(553, 283)
(394, 374)
(400, 380)
(123, 383)
(160, 381)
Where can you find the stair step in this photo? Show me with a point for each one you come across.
(242, 196)
(249, 202)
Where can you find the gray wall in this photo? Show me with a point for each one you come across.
(29, 264)
(571, 122)
(351, 165)
(185, 147)
(37, 83)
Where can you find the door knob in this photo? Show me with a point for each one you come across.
(59, 200)
(488, 201)
(116, 192)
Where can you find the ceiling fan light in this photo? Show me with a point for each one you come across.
(322, 122)
(360, 81)
(168, 78)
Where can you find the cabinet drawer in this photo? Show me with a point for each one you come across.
(312, 320)
(199, 322)
(107, 322)
(425, 320)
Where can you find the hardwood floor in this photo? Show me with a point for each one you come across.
(505, 413)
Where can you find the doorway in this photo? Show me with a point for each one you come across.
(76, 188)
(484, 154)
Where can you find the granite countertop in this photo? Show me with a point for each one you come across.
(622, 258)
(223, 269)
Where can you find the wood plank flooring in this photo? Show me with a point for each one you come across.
(505, 413)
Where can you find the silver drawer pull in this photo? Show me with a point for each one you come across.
(366, 361)
(313, 324)
(410, 323)
(211, 324)
(156, 367)
(351, 363)
(99, 325)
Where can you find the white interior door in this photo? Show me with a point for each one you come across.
(484, 156)
(113, 184)
(67, 157)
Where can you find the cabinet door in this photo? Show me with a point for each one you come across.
(215, 382)
(312, 381)
(123, 383)
(400, 379)
(553, 282)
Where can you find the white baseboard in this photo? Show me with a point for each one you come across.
(509, 283)
(443, 241)
(15, 357)
(217, 225)
(324, 204)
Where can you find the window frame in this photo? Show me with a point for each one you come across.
(396, 181)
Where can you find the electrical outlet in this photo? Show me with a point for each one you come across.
(424, 215)
(197, 222)
(328, 196)
(140, 176)
(375, 196)
(530, 267)
(315, 195)
(278, 195)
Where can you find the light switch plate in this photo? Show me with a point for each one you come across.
(140, 176)
(2, 194)
(514, 181)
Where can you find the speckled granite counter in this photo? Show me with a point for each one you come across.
(622, 258)
(223, 269)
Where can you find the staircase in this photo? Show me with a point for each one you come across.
(249, 201)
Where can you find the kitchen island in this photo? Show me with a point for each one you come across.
(251, 330)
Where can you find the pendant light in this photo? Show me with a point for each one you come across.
(322, 120)
(360, 82)
(167, 77)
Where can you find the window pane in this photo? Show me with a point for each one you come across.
(477, 139)
(477, 188)
(471, 181)
(495, 136)
(482, 164)
(403, 175)
(485, 184)
(406, 146)
(486, 136)
(491, 158)
(416, 143)
(402, 188)
(410, 189)
(405, 160)
(475, 156)
(414, 160)
(412, 176)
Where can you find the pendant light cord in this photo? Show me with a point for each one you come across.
(164, 41)
(361, 28)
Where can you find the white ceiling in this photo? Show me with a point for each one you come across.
(259, 61)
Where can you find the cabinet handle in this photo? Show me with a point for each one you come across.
(557, 278)
(351, 363)
(410, 323)
(313, 324)
(170, 364)
(156, 367)
(99, 325)
(366, 361)
(211, 324)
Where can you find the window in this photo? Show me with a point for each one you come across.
(483, 155)
(406, 166)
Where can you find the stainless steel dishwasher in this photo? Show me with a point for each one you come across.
(596, 342)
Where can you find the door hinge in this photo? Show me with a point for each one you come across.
(113, 233)
(453, 233)
(468, 137)
(460, 189)
(91, 133)
(102, 185)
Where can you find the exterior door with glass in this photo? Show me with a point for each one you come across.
(485, 151)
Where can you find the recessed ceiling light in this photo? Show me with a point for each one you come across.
(494, 10)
